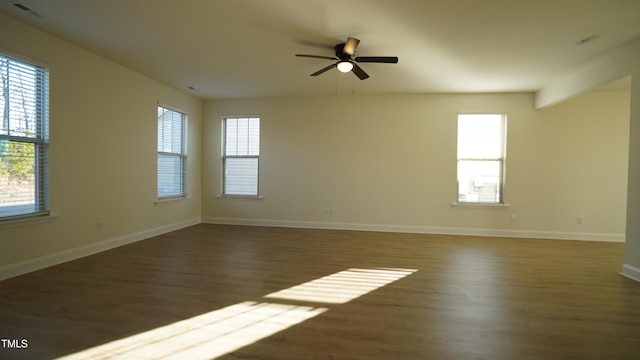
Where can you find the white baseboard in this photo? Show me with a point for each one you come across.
(419, 229)
(21, 268)
(631, 272)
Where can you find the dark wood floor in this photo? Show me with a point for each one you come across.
(457, 298)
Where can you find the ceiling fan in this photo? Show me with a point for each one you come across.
(347, 62)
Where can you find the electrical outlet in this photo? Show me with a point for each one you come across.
(512, 218)
(99, 225)
(328, 211)
(580, 220)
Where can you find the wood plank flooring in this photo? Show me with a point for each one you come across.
(462, 298)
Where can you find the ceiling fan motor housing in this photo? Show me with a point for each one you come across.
(339, 49)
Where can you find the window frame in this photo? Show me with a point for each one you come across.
(502, 160)
(40, 140)
(225, 158)
(182, 155)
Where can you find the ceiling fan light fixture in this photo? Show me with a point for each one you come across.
(345, 66)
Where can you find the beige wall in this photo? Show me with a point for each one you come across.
(387, 162)
(632, 250)
(616, 64)
(103, 141)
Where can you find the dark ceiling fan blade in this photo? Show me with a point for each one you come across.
(350, 46)
(324, 70)
(316, 56)
(359, 72)
(377, 59)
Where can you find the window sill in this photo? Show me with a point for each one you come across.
(27, 221)
(171, 199)
(479, 205)
(248, 197)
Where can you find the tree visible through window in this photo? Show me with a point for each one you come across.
(24, 139)
(481, 158)
(240, 159)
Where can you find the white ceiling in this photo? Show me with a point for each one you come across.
(246, 48)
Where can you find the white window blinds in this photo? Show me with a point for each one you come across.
(241, 156)
(172, 153)
(24, 139)
(481, 157)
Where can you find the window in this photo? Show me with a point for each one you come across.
(172, 153)
(481, 158)
(24, 139)
(241, 152)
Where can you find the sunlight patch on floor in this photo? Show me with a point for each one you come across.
(222, 331)
(341, 287)
(206, 336)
